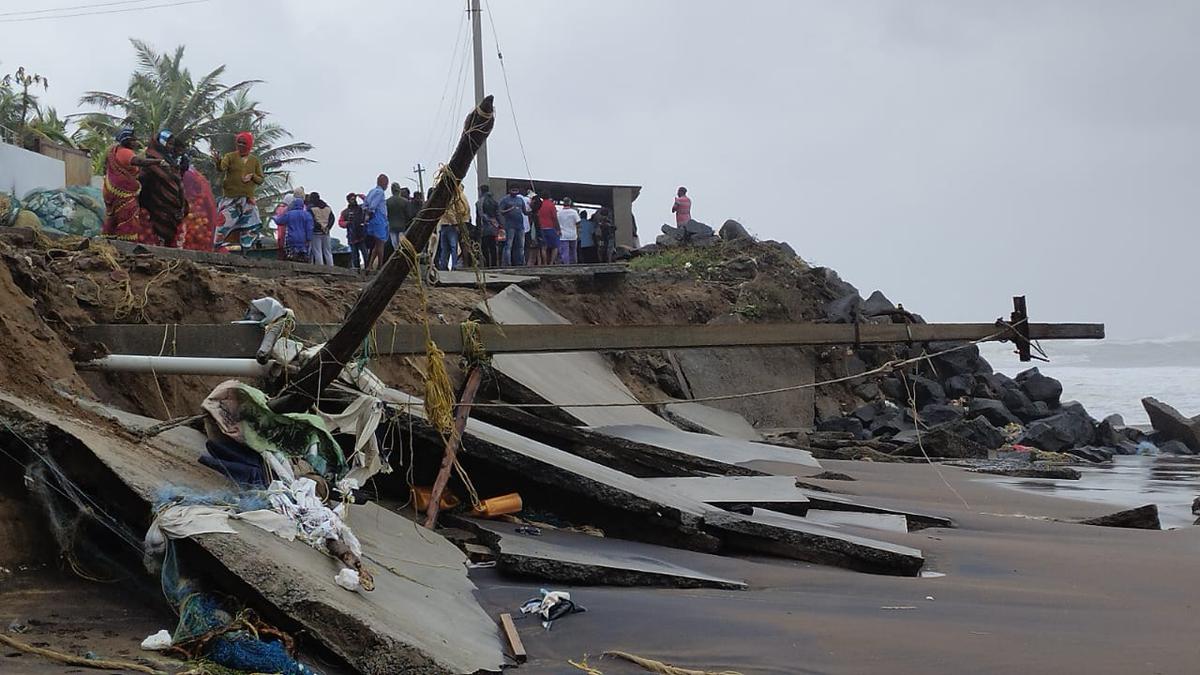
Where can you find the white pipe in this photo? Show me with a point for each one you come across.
(179, 365)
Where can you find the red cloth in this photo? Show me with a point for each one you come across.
(547, 215)
(249, 139)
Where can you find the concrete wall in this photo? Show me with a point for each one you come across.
(22, 171)
(623, 216)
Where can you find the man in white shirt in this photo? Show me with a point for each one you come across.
(533, 247)
(568, 237)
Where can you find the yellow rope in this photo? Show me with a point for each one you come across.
(665, 668)
(99, 664)
(582, 664)
(439, 394)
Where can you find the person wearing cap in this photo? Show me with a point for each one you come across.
(243, 173)
(122, 170)
(162, 194)
(682, 208)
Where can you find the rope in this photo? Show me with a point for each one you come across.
(439, 394)
(911, 392)
(99, 664)
(889, 366)
(665, 668)
(582, 664)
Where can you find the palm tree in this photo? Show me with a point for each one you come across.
(272, 144)
(204, 113)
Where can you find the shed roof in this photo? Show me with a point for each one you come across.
(586, 193)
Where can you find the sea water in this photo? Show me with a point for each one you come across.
(1112, 376)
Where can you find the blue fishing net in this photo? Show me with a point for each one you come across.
(77, 210)
(239, 500)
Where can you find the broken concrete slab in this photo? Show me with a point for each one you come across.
(791, 536)
(466, 279)
(725, 370)
(622, 454)
(422, 616)
(573, 558)
(727, 450)
(566, 377)
(1141, 518)
(705, 419)
(763, 491)
(834, 502)
(638, 509)
(875, 521)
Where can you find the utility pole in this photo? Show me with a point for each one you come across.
(481, 158)
(420, 171)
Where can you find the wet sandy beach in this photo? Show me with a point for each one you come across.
(1021, 593)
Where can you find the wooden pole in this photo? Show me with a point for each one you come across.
(323, 368)
(470, 388)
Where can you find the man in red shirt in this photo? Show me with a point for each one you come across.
(547, 217)
(682, 208)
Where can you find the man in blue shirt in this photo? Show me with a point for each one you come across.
(512, 213)
(377, 222)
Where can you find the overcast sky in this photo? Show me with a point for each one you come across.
(950, 153)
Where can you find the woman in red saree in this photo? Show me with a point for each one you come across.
(122, 168)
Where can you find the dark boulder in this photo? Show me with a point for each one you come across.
(926, 391)
(1141, 518)
(1092, 453)
(936, 414)
(832, 282)
(849, 425)
(978, 430)
(994, 412)
(1021, 406)
(1072, 427)
(1171, 425)
(1112, 433)
(869, 412)
(867, 391)
(943, 441)
(844, 309)
(959, 386)
(733, 230)
(877, 305)
(1039, 387)
(694, 229)
(992, 385)
(890, 424)
(1174, 448)
(959, 359)
(893, 388)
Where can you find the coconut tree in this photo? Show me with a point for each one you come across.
(204, 112)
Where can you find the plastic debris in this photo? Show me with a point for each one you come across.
(157, 642)
(551, 605)
(348, 579)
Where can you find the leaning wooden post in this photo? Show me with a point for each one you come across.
(323, 368)
(474, 376)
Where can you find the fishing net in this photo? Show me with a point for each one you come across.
(77, 210)
(215, 629)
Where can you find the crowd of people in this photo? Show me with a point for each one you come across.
(514, 231)
(146, 196)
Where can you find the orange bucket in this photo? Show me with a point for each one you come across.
(421, 496)
(499, 506)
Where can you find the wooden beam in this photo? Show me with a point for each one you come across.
(324, 367)
(234, 340)
(513, 638)
(474, 377)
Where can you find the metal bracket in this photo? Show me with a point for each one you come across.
(1019, 323)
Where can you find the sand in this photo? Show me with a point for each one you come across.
(1020, 594)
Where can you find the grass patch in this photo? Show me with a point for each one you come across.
(684, 258)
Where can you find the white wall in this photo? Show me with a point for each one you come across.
(22, 171)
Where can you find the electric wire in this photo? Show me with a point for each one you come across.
(72, 7)
(512, 110)
(22, 19)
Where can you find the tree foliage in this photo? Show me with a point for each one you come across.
(204, 112)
